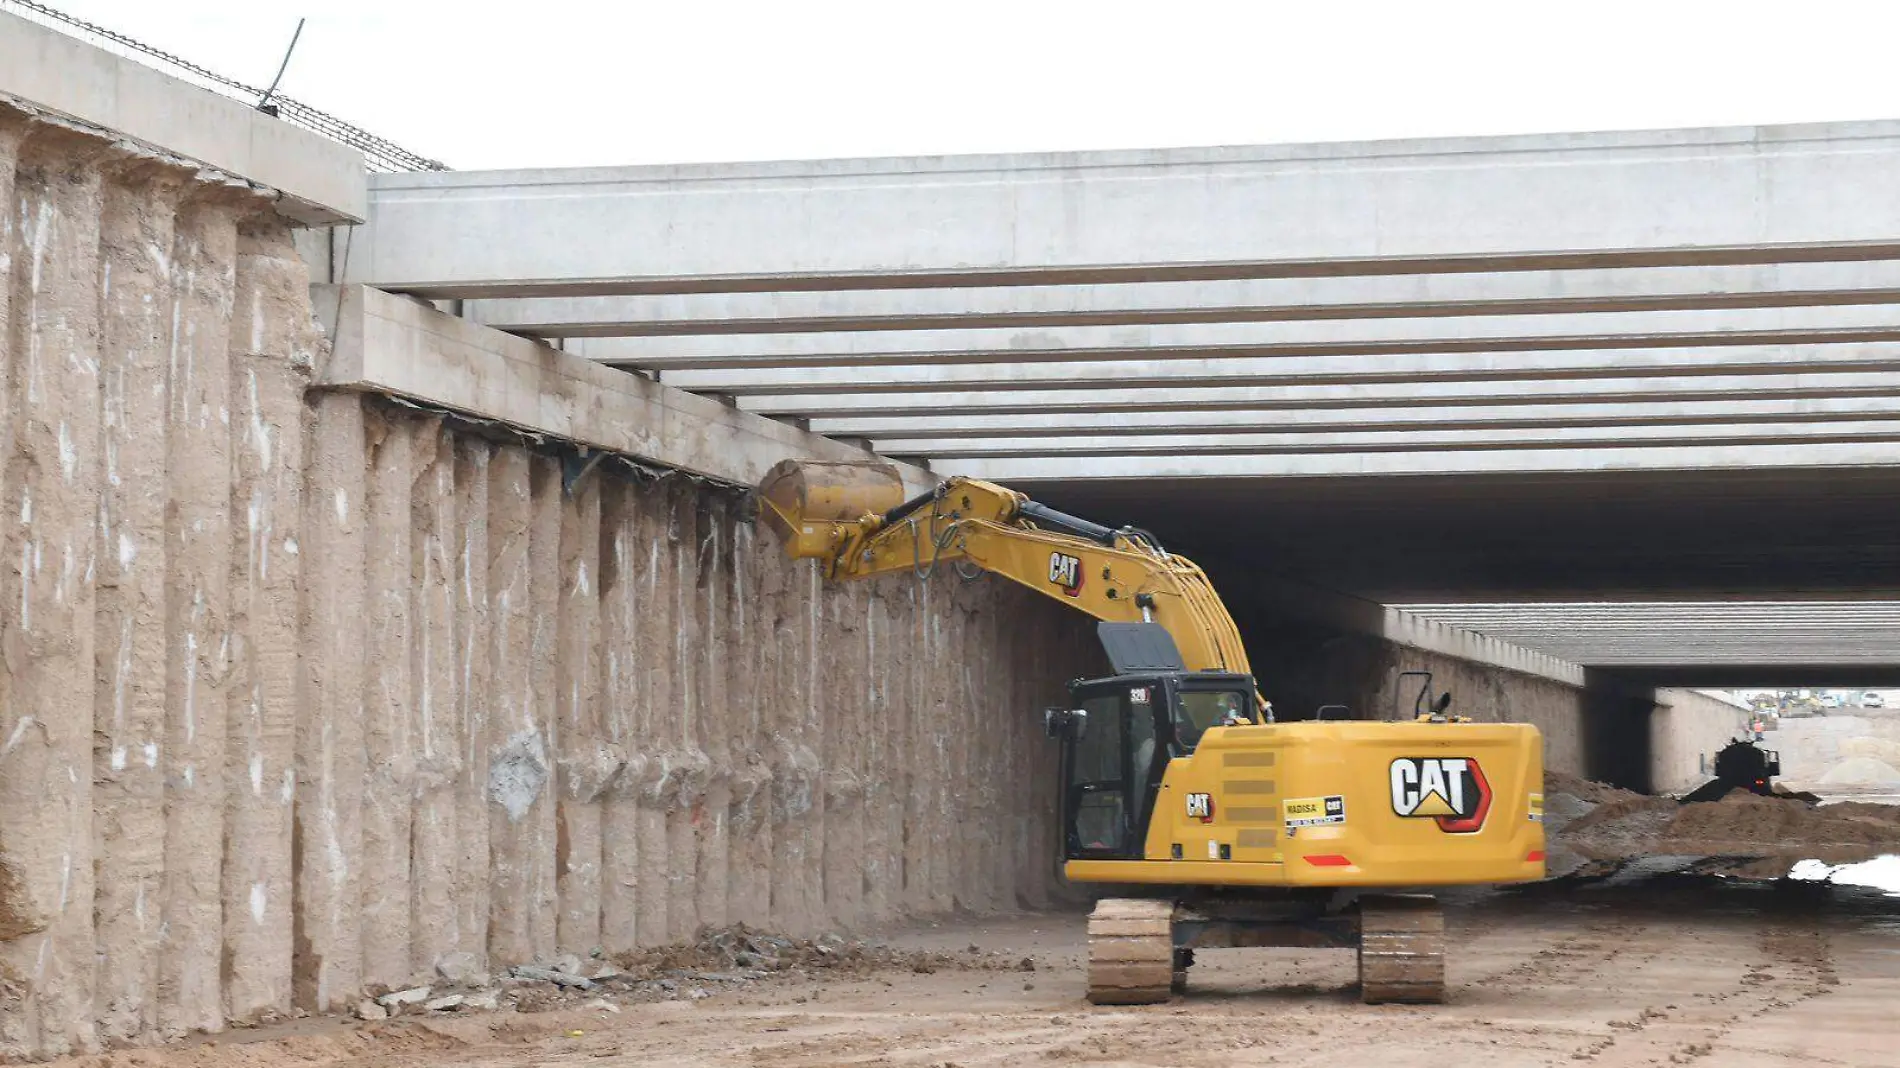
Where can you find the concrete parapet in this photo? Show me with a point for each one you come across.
(312, 179)
(392, 345)
(1656, 197)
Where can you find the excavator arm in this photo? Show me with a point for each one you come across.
(852, 517)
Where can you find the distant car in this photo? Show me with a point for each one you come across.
(1830, 700)
(1871, 699)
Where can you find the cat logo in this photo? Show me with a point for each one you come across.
(1201, 807)
(1451, 790)
(1066, 572)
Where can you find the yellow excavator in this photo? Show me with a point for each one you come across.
(1236, 830)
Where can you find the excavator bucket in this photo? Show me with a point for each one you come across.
(804, 500)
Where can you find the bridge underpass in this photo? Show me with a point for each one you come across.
(1585, 371)
(470, 652)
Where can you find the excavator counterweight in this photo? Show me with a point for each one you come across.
(1173, 772)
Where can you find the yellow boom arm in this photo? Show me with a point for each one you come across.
(852, 517)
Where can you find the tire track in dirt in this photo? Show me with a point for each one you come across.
(1792, 964)
(1580, 953)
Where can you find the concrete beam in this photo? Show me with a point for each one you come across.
(1540, 437)
(1313, 420)
(1749, 656)
(321, 182)
(1027, 470)
(396, 346)
(1754, 327)
(1449, 368)
(1742, 676)
(1703, 613)
(1681, 633)
(1175, 398)
(1291, 599)
(1732, 195)
(1238, 300)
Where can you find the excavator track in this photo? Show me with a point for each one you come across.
(1401, 950)
(1131, 951)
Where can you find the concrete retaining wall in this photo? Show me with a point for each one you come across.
(1685, 731)
(301, 690)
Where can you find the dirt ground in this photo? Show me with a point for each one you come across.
(1661, 971)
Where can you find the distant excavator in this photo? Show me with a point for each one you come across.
(1174, 775)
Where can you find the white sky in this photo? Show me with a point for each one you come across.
(559, 82)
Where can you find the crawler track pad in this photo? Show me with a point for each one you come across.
(1131, 951)
(1401, 950)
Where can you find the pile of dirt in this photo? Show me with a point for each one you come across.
(1741, 825)
(1596, 793)
(1568, 798)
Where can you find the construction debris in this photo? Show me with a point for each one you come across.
(741, 954)
(552, 975)
(399, 998)
(720, 959)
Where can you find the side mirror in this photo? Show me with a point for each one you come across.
(1065, 722)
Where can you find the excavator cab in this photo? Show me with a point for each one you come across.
(1118, 735)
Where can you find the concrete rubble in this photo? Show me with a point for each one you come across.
(717, 960)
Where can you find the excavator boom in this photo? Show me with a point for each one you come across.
(853, 517)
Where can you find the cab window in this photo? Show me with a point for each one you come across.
(1098, 789)
(1196, 711)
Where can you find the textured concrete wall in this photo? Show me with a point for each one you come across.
(1686, 730)
(154, 344)
(605, 716)
(301, 690)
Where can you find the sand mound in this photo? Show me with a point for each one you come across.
(1886, 749)
(1861, 771)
